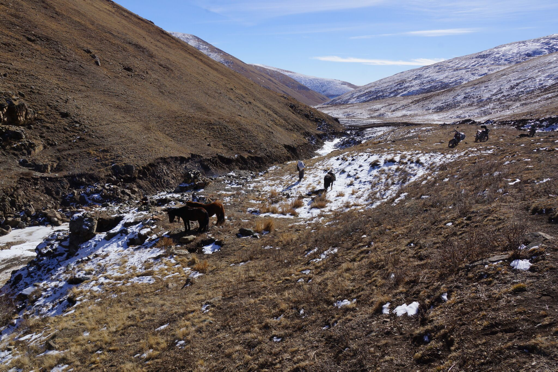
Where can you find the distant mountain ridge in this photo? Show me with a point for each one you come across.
(452, 72)
(277, 82)
(524, 90)
(330, 88)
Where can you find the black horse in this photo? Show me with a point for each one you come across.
(190, 214)
(328, 180)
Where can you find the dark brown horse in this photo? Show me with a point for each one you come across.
(190, 214)
(215, 208)
(328, 180)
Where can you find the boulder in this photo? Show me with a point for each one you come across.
(246, 232)
(53, 217)
(82, 228)
(5, 231)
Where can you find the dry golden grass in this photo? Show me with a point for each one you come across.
(266, 225)
(201, 266)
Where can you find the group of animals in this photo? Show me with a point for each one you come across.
(480, 136)
(200, 212)
(194, 211)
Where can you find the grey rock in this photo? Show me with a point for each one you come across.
(246, 232)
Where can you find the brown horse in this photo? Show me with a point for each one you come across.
(190, 214)
(215, 208)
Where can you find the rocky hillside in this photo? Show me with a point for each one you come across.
(277, 82)
(330, 88)
(452, 72)
(90, 92)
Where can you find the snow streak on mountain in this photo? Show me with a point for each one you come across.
(451, 73)
(204, 47)
(330, 88)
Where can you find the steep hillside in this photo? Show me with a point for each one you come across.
(524, 90)
(451, 73)
(88, 87)
(330, 88)
(276, 82)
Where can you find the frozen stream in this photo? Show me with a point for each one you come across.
(23, 249)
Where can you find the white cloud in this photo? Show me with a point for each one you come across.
(380, 62)
(425, 33)
(433, 33)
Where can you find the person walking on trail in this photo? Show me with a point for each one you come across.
(300, 169)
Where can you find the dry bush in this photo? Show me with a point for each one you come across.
(513, 234)
(165, 242)
(265, 225)
(7, 310)
(270, 209)
(320, 201)
(297, 203)
(201, 266)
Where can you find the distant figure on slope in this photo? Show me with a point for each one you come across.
(328, 180)
(300, 169)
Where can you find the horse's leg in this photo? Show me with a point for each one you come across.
(186, 225)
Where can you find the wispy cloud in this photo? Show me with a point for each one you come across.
(253, 10)
(380, 62)
(424, 33)
(274, 8)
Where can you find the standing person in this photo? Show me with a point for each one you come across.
(300, 169)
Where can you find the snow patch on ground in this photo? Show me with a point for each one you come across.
(410, 310)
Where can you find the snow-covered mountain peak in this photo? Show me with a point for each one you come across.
(330, 88)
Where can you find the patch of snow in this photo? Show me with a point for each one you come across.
(410, 310)
(162, 327)
(211, 248)
(521, 264)
(340, 304)
(385, 308)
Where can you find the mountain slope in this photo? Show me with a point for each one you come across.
(330, 88)
(111, 89)
(451, 73)
(528, 89)
(276, 82)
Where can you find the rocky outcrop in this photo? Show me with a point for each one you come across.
(82, 228)
(16, 113)
(193, 180)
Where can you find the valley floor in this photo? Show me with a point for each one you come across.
(420, 257)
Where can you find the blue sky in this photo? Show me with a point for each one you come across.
(359, 41)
